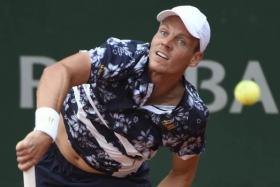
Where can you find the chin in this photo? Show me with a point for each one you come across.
(157, 67)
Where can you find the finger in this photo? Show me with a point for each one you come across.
(22, 152)
(25, 142)
(20, 145)
(26, 165)
(25, 158)
(25, 151)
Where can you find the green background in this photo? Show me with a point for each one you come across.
(242, 149)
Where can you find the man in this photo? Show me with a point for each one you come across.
(118, 104)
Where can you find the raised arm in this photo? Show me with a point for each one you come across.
(182, 173)
(54, 84)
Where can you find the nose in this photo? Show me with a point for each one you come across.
(167, 42)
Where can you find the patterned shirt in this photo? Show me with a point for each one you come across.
(108, 123)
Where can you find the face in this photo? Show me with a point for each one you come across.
(173, 48)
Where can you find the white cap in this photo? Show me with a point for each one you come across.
(194, 20)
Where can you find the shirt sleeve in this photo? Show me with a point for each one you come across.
(190, 138)
(116, 59)
(194, 144)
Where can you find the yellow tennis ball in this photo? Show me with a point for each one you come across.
(247, 92)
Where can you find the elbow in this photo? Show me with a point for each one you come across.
(56, 71)
(54, 68)
(56, 74)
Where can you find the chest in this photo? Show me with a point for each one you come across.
(147, 124)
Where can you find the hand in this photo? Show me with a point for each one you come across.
(31, 149)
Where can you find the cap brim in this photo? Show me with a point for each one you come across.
(164, 14)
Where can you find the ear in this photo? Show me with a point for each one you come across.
(197, 57)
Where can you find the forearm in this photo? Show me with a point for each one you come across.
(53, 87)
(177, 179)
(182, 173)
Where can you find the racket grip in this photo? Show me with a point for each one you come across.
(29, 177)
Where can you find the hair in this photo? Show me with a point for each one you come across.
(197, 48)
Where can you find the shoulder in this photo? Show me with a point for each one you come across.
(115, 48)
(126, 42)
(194, 100)
(127, 46)
(192, 91)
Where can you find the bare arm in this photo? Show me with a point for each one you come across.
(182, 173)
(53, 87)
(58, 78)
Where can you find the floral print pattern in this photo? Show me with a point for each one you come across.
(118, 86)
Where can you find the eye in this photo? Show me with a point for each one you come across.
(181, 42)
(163, 33)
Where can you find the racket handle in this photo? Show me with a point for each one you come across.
(29, 177)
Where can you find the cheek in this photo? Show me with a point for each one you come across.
(182, 55)
(153, 45)
(153, 42)
(182, 60)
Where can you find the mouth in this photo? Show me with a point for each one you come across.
(162, 55)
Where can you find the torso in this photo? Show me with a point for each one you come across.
(129, 132)
(172, 98)
(68, 152)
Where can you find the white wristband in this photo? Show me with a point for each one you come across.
(47, 120)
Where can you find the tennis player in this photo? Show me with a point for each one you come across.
(102, 113)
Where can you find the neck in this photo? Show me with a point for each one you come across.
(167, 89)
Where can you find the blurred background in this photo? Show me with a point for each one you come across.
(242, 142)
